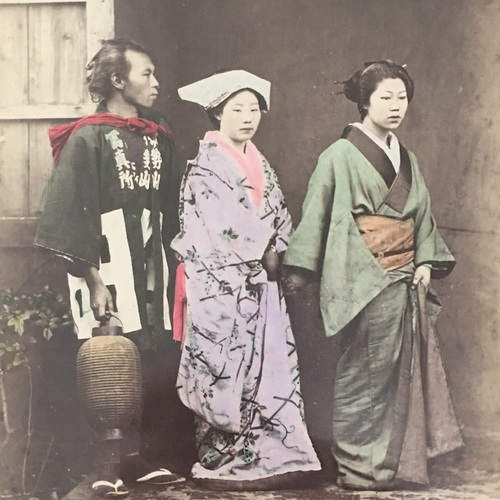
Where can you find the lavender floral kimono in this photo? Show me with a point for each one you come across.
(238, 371)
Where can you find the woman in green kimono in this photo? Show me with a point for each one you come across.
(367, 232)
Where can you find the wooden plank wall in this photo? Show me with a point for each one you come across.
(14, 136)
(57, 54)
(46, 66)
(43, 58)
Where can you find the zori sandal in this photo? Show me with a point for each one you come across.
(108, 489)
(161, 476)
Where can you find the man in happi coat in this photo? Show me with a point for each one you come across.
(110, 211)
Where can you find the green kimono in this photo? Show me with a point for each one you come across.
(376, 401)
(111, 187)
(327, 241)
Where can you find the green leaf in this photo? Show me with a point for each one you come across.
(17, 322)
(18, 360)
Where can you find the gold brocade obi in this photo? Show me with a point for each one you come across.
(390, 240)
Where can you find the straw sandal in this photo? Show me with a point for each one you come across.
(108, 489)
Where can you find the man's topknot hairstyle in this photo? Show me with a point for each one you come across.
(110, 59)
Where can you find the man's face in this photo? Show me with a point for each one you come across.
(141, 86)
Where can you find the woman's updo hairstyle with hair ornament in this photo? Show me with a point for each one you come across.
(361, 85)
(110, 60)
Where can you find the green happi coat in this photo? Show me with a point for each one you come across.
(392, 409)
(110, 186)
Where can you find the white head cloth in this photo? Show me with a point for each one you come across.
(211, 91)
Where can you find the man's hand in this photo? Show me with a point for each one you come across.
(101, 300)
(422, 275)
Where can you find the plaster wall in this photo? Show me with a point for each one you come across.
(451, 48)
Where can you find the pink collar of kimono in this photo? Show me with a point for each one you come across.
(250, 162)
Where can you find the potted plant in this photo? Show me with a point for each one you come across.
(27, 322)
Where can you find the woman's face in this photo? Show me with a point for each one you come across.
(240, 118)
(387, 107)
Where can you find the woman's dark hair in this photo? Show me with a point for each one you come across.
(110, 60)
(364, 82)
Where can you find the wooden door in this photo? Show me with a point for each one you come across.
(44, 48)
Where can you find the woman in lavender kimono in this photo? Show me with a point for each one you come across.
(238, 370)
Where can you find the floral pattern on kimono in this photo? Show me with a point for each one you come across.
(238, 371)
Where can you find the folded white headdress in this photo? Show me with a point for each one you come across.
(211, 91)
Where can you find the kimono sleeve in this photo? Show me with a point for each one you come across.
(282, 219)
(70, 222)
(170, 185)
(307, 244)
(215, 228)
(429, 245)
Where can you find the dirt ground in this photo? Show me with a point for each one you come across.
(473, 474)
(61, 451)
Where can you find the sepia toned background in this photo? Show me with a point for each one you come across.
(451, 49)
